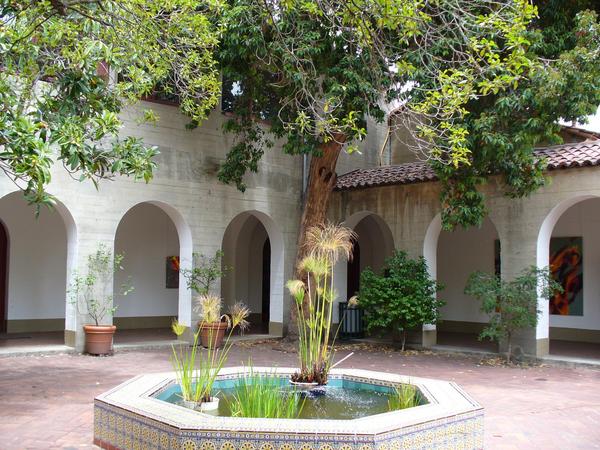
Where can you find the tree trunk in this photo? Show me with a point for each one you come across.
(321, 181)
(403, 338)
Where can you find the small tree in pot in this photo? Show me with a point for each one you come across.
(511, 305)
(92, 293)
(402, 299)
(200, 278)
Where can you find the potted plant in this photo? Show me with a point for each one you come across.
(92, 293)
(196, 371)
(314, 296)
(212, 324)
(206, 270)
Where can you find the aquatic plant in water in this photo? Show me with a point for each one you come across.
(262, 395)
(314, 299)
(196, 371)
(404, 396)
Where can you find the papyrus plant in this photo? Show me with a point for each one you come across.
(197, 370)
(315, 297)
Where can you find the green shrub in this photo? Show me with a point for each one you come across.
(512, 305)
(401, 299)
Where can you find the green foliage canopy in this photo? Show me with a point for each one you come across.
(315, 69)
(504, 128)
(68, 68)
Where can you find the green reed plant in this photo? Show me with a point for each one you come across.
(262, 395)
(404, 396)
(315, 297)
(196, 371)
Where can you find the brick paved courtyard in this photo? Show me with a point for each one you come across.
(46, 401)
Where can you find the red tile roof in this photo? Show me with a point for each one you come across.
(563, 156)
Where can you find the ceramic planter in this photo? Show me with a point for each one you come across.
(213, 405)
(212, 334)
(99, 339)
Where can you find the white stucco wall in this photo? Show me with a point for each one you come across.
(146, 236)
(460, 253)
(583, 219)
(37, 260)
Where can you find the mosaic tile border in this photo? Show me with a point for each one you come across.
(121, 422)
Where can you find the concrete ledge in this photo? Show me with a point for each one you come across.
(575, 335)
(136, 323)
(34, 325)
(456, 326)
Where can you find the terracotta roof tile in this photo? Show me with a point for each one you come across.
(563, 156)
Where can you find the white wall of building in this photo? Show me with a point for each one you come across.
(146, 236)
(37, 260)
(583, 219)
(460, 253)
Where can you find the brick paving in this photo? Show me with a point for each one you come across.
(46, 401)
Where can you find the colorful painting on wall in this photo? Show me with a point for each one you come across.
(172, 272)
(566, 264)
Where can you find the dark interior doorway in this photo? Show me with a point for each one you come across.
(3, 278)
(353, 276)
(266, 282)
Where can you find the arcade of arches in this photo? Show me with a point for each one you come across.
(35, 262)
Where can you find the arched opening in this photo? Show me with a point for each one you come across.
(373, 245)
(35, 258)
(570, 245)
(150, 237)
(253, 258)
(460, 253)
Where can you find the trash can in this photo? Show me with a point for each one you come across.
(351, 321)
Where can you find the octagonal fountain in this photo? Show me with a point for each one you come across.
(350, 414)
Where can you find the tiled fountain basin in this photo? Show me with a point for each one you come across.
(129, 417)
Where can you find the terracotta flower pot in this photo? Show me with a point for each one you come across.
(99, 339)
(212, 334)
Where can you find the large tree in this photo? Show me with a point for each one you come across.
(315, 70)
(68, 67)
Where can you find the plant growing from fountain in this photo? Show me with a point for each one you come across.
(92, 292)
(196, 371)
(315, 298)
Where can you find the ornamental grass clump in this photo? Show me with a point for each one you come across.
(404, 396)
(314, 297)
(197, 370)
(262, 395)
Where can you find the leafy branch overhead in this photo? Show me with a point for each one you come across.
(474, 85)
(70, 67)
(317, 69)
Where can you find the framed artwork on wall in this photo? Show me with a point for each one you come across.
(172, 272)
(566, 265)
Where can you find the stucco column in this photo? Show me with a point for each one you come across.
(518, 232)
(419, 237)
